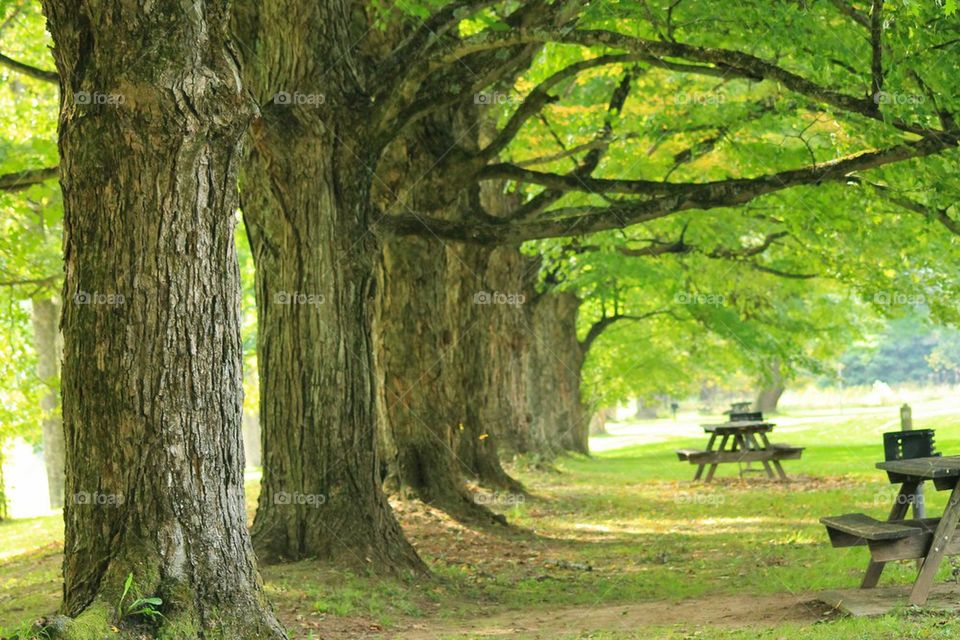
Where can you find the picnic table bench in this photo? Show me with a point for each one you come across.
(741, 441)
(899, 538)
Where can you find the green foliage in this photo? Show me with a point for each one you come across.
(30, 220)
(146, 607)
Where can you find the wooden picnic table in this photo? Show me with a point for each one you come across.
(897, 538)
(741, 441)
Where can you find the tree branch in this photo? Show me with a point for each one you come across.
(541, 201)
(938, 214)
(28, 70)
(852, 13)
(17, 283)
(748, 252)
(729, 62)
(24, 179)
(783, 274)
(725, 193)
(601, 325)
(539, 97)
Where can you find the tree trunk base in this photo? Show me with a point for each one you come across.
(332, 533)
(459, 505)
(99, 621)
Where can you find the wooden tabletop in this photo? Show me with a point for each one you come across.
(742, 425)
(935, 467)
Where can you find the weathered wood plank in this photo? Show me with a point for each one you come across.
(863, 526)
(931, 468)
(736, 427)
(741, 455)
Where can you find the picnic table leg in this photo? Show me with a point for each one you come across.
(741, 445)
(713, 467)
(899, 509)
(758, 447)
(776, 463)
(942, 537)
(700, 467)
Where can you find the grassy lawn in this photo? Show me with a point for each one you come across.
(625, 527)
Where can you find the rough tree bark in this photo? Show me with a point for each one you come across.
(503, 387)
(306, 200)
(46, 339)
(560, 418)
(429, 328)
(493, 356)
(151, 119)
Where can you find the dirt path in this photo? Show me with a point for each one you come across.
(712, 611)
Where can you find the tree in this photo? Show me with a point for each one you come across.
(305, 194)
(151, 119)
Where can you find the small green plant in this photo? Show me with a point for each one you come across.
(26, 631)
(146, 607)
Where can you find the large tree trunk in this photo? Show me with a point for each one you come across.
(510, 355)
(418, 341)
(428, 331)
(474, 304)
(773, 387)
(46, 340)
(561, 421)
(306, 202)
(492, 283)
(152, 354)
(497, 382)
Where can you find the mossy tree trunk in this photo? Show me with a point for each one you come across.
(306, 200)
(151, 119)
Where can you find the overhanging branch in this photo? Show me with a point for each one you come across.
(31, 71)
(601, 325)
(681, 197)
(24, 179)
(728, 61)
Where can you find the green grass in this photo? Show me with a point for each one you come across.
(631, 516)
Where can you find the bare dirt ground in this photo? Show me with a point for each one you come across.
(691, 615)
